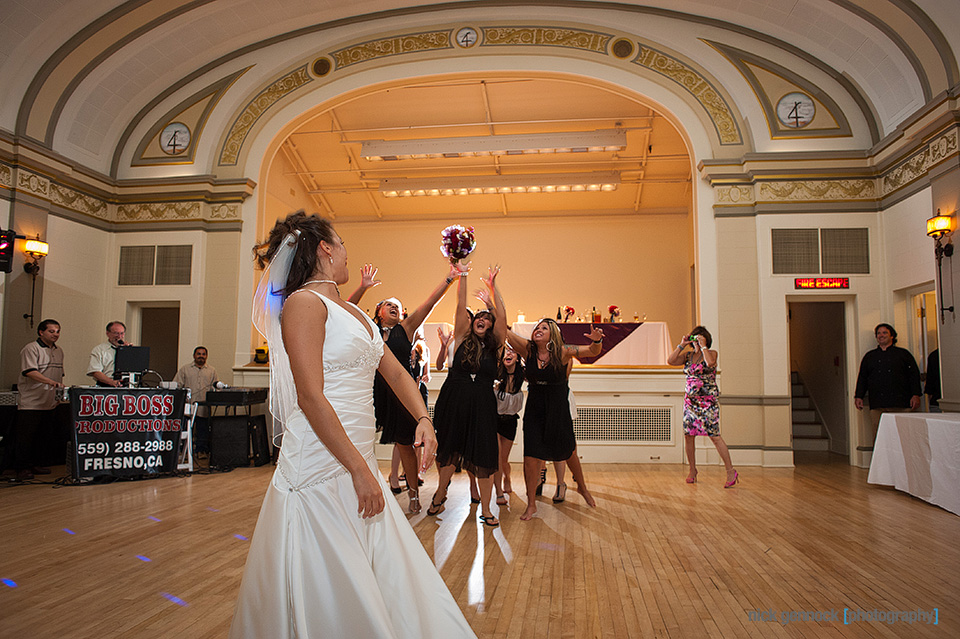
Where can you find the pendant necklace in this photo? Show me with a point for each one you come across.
(324, 282)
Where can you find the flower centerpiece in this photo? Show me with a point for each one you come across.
(457, 242)
(568, 312)
(614, 312)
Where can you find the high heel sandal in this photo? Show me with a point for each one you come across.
(395, 490)
(692, 479)
(561, 493)
(732, 482)
(543, 480)
(415, 507)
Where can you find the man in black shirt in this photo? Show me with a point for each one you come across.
(890, 380)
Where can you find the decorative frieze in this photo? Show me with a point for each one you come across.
(817, 190)
(546, 37)
(698, 86)
(76, 201)
(159, 212)
(917, 165)
(33, 183)
(257, 107)
(224, 212)
(6, 176)
(396, 45)
(737, 195)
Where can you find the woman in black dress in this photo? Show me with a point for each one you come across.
(465, 414)
(547, 424)
(394, 421)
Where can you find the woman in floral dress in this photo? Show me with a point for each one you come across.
(701, 402)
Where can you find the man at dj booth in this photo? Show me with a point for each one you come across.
(103, 355)
(199, 378)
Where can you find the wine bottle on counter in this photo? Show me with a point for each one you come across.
(559, 316)
(596, 316)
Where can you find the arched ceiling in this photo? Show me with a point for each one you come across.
(77, 74)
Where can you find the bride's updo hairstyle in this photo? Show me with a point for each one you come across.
(313, 229)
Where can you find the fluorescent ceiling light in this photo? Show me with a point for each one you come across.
(494, 184)
(570, 142)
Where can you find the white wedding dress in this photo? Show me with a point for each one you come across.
(315, 568)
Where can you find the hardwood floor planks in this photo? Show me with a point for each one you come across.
(657, 558)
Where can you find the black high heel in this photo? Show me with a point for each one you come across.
(543, 480)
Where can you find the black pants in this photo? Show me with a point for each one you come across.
(28, 436)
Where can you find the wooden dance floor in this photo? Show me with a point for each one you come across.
(782, 555)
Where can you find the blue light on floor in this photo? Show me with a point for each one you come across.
(142, 558)
(9, 582)
(175, 599)
(153, 518)
(241, 537)
(68, 531)
(213, 510)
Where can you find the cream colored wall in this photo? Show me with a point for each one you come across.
(81, 292)
(223, 257)
(640, 264)
(739, 332)
(75, 290)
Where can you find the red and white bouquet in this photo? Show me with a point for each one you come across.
(457, 242)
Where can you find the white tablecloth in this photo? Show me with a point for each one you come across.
(648, 345)
(919, 453)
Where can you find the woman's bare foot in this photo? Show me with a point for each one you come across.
(587, 497)
(529, 512)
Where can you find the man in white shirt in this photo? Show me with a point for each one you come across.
(103, 355)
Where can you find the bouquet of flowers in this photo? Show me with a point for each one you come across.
(457, 242)
(568, 312)
(614, 312)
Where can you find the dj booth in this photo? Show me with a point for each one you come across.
(124, 432)
(236, 440)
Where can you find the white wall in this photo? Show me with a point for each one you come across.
(74, 292)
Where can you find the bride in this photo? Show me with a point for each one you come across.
(330, 556)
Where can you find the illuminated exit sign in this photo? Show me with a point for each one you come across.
(821, 282)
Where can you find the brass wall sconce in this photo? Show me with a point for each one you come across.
(938, 227)
(35, 250)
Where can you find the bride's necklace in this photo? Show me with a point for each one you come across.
(323, 282)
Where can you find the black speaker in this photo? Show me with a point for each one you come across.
(260, 440)
(229, 441)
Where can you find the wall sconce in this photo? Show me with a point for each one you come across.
(35, 250)
(939, 226)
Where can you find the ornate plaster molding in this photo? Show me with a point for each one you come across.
(6, 176)
(919, 163)
(817, 190)
(256, 108)
(546, 37)
(395, 45)
(698, 86)
(74, 200)
(177, 212)
(736, 195)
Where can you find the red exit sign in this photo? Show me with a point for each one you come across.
(821, 282)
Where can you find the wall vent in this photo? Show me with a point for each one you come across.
(609, 424)
(796, 251)
(820, 251)
(160, 265)
(844, 251)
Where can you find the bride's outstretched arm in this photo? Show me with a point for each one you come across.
(407, 392)
(303, 325)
